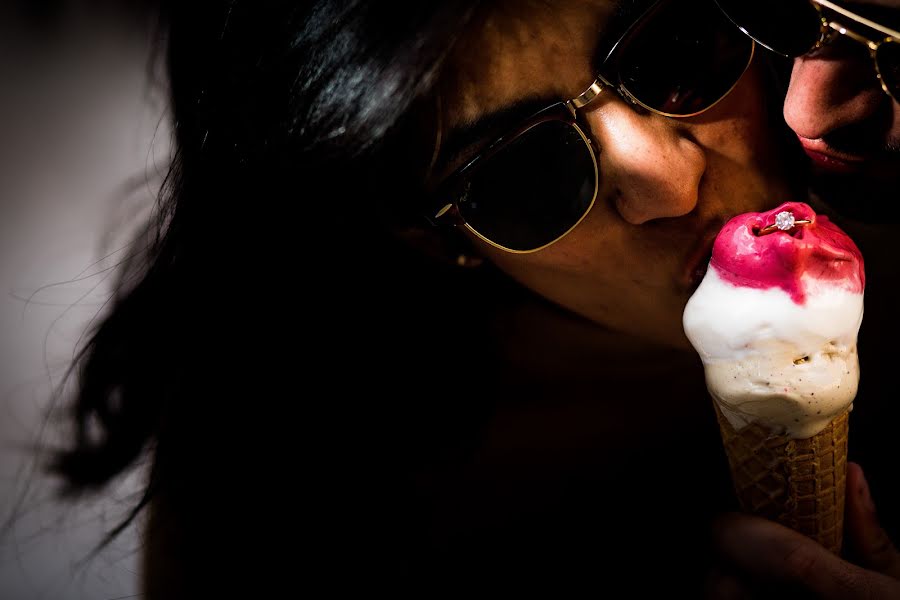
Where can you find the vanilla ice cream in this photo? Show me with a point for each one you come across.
(775, 321)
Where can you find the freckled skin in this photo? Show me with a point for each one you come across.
(665, 183)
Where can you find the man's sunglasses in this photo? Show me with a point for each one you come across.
(532, 186)
(795, 27)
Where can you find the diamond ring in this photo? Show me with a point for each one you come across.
(784, 221)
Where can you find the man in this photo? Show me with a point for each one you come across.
(843, 100)
(843, 104)
(846, 118)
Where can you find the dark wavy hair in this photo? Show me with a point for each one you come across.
(288, 364)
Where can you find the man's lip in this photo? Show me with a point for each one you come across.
(833, 164)
(826, 158)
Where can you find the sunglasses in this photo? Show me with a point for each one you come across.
(795, 27)
(531, 187)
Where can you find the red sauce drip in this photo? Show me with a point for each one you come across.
(791, 260)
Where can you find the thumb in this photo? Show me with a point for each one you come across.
(871, 546)
(766, 554)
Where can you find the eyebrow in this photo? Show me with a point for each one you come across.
(491, 125)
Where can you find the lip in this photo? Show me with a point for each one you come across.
(827, 159)
(697, 260)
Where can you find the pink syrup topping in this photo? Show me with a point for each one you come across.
(796, 260)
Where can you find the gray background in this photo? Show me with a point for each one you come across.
(84, 142)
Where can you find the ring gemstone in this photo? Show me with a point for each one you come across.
(785, 220)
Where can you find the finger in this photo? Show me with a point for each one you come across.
(870, 544)
(724, 586)
(768, 553)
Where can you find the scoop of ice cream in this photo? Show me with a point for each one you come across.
(797, 260)
(775, 320)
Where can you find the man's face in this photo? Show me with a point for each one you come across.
(848, 126)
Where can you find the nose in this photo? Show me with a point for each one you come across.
(651, 169)
(829, 93)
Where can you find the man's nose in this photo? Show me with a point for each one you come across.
(651, 169)
(828, 93)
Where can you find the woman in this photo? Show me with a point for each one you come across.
(313, 355)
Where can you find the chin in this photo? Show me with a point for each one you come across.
(662, 331)
(676, 340)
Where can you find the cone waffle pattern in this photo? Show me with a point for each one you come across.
(799, 483)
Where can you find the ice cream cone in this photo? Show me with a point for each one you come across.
(799, 483)
(775, 322)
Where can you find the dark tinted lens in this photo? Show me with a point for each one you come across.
(888, 58)
(683, 59)
(534, 190)
(789, 27)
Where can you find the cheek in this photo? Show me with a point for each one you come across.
(597, 264)
(743, 139)
(741, 128)
(597, 247)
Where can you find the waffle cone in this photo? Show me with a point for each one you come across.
(799, 483)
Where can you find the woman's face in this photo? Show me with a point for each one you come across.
(666, 185)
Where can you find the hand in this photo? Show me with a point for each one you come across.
(761, 558)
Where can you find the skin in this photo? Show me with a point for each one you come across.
(759, 556)
(836, 106)
(667, 185)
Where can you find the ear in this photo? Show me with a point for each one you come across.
(448, 246)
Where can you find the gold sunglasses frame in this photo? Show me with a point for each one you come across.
(830, 27)
(567, 111)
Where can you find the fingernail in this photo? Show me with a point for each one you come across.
(865, 494)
